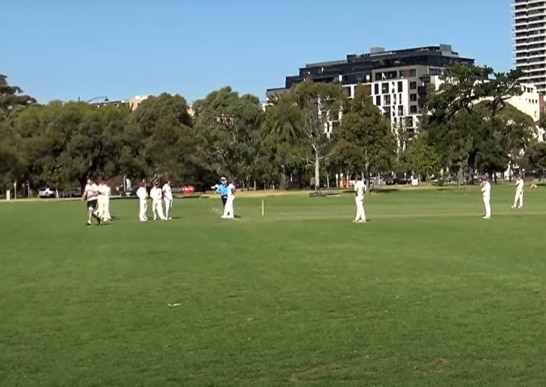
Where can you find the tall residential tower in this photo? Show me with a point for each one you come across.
(529, 30)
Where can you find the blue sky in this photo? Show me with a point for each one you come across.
(65, 49)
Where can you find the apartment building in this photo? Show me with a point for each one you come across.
(398, 78)
(529, 41)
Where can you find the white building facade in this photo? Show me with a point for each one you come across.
(529, 40)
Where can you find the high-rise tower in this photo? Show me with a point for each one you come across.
(529, 36)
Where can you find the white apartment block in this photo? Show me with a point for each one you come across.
(529, 40)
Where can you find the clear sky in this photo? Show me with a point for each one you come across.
(65, 49)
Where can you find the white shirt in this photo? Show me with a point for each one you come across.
(360, 189)
(486, 190)
(519, 185)
(101, 189)
(107, 190)
(231, 191)
(142, 193)
(91, 191)
(156, 194)
(167, 192)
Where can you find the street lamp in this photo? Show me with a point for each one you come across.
(105, 99)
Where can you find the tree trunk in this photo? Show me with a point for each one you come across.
(317, 171)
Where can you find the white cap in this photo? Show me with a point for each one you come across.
(222, 179)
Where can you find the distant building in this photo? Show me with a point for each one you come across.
(3, 80)
(131, 102)
(529, 40)
(398, 78)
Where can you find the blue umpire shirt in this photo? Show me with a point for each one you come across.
(223, 190)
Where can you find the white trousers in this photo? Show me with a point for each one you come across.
(518, 199)
(143, 204)
(228, 209)
(168, 207)
(360, 213)
(100, 207)
(107, 215)
(157, 209)
(487, 205)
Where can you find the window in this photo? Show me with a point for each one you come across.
(413, 97)
(409, 122)
(400, 86)
(347, 91)
(413, 85)
(413, 73)
(377, 100)
(413, 109)
(386, 100)
(385, 88)
(376, 88)
(400, 110)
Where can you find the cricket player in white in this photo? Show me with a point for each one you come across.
(107, 194)
(229, 208)
(157, 202)
(142, 195)
(486, 194)
(518, 199)
(90, 194)
(360, 190)
(167, 198)
(101, 200)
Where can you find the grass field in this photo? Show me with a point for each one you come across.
(425, 294)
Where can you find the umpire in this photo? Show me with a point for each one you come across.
(222, 189)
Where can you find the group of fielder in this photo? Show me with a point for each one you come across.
(162, 201)
(360, 191)
(98, 195)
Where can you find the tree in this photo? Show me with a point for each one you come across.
(537, 156)
(12, 100)
(227, 126)
(73, 141)
(301, 117)
(421, 157)
(163, 139)
(365, 138)
(463, 135)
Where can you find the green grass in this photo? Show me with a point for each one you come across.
(425, 294)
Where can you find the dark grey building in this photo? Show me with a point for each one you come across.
(3, 81)
(398, 78)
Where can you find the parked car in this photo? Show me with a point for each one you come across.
(46, 192)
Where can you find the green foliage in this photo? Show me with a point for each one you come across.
(537, 156)
(421, 157)
(160, 139)
(471, 124)
(365, 141)
(12, 100)
(298, 120)
(307, 132)
(227, 127)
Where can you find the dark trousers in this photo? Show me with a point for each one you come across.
(224, 200)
